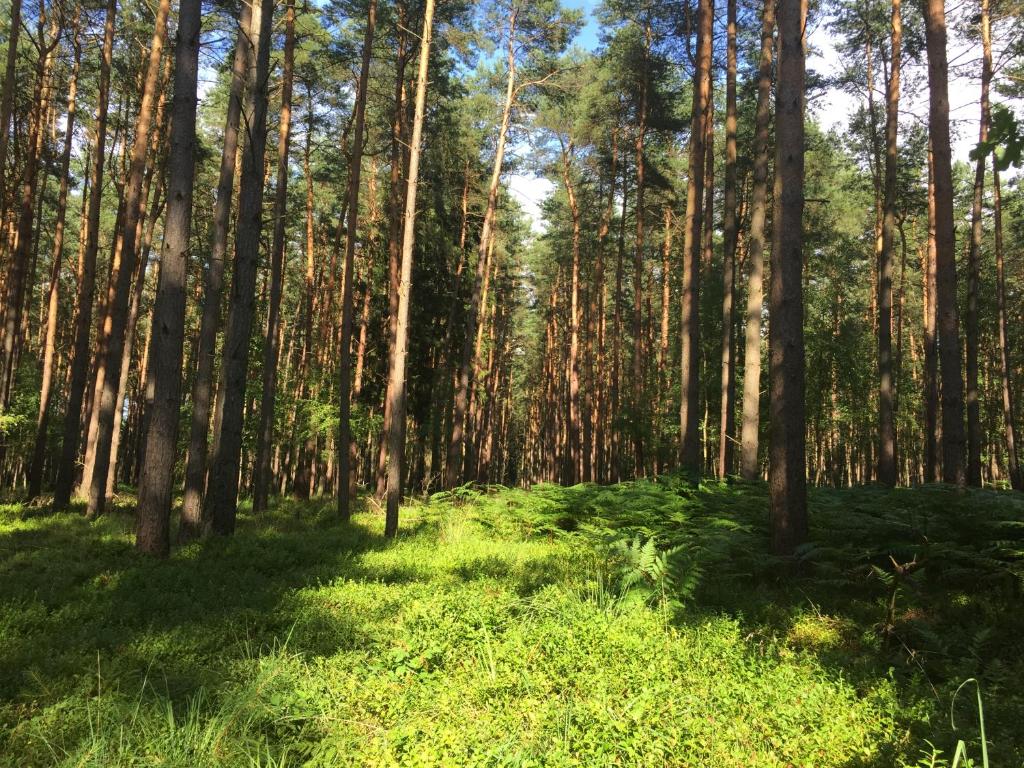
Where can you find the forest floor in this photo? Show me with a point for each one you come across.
(635, 625)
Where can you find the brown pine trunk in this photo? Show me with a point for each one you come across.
(727, 422)
(18, 269)
(690, 447)
(35, 473)
(575, 458)
(945, 245)
(112, 345)
(344, 447)
(192, 522)
(1010, 428)
(396, 377)
(787, 470)
(156, 481)
(222, 493)
(886, 377)
(639, 415)
(66, 470)
(265, 436)
(971, 331)
(931, 370)
(749, 464)
(7, 96)
(457, 446)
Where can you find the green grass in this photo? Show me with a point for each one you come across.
(515, 628)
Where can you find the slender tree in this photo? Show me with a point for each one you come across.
(344, 457)
(396, 378)
(952, 385)
(787, 480)
(156, 480)
(730, 228)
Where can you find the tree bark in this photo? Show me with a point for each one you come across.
(457, 446)
(344, 455)
(113, 342)
(265, 436)
(221, 504)
(396, 377)
(749, 464)
(192, 522)
(35, 474)
(727, 422)
(156, 480)
(971, 331)
(690, 447)
(886, 377)
(787, 471)
(66, 470)
(945, 245)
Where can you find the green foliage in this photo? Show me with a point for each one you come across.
(635, 624)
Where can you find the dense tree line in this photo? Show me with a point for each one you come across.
(271, 248)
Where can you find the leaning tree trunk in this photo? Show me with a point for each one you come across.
(221, 504)
(945, 247)
(396, 378)
(191, 524)
(729, 234)
(7, 96)
(787, 470)
(689, 408)
(35, 474)
(119, 294)
(66, 469)
(1010, 428)
(344, 455)
(265, 436)
(749, 464)
(886, 378)
(457, 446)
(974, 433)
(156, 480)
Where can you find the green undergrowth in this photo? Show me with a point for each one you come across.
(636, 625)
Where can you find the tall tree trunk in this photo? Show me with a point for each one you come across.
(222, 493)
(265, 436)
(974, 434)
(727, 422)
(749, 464)
(66, 470)
(112, 345)
(639, 406)
(192, 522)
(575, 459)
(7, 97)
(344, 457)
(945, 245)
(1010, 428)
(156, 480)
(456, 448)
(690, 448)
(396, 376)
(787, 470)
(35, 474)
(886, 377)
(931, 367)
(18, 271)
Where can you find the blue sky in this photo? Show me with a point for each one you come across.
(588, 35)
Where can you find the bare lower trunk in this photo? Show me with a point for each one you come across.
(265, 436)
(787, 470)
(66, 470)
(690, 447)
(396, 378)
(344, 454)
(156, 480)
(112, 346)
(945, 245)
(749, 464)
(221, 503)
(728, 414)
(886, 378)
